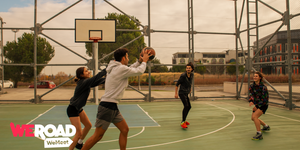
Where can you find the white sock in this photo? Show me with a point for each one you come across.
(259, 132)
(80, 141)
(266, 125)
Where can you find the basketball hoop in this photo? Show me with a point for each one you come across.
(95, 39)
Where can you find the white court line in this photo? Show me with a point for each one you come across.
(269, 114)
(127, 137)
(147, 114)
(41, 114)
(233, 118)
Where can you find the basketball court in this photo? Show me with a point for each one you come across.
(219, 124)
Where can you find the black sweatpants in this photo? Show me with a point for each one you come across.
(186, 105)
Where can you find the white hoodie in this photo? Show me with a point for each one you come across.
(117, 79)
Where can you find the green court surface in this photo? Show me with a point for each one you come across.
(215, 125)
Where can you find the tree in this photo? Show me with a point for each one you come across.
(21, 52)
(122, 37)
(232, 69)
(157, 68)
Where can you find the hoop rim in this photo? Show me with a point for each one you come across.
(95, 38)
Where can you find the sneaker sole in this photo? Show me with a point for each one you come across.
(265, 130)
(256, 139)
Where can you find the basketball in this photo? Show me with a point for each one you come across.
(152, 51)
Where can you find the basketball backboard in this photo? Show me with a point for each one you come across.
(86, 28)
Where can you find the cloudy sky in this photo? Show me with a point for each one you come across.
(171, 15)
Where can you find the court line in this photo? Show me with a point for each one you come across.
(233, 118)
(269, 114)
(147, 114)
(143, 129)
(41, 114)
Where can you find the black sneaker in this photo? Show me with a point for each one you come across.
(79, 146)
(258, 136)
(266, 129)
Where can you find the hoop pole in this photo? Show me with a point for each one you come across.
(95, 52)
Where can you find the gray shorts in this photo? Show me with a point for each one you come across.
(105, 116)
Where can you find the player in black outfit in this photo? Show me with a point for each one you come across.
(185, 82)
(81, 94)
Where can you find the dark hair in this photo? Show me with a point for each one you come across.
(79, 72)
(260, 75)
(120, 53)
(190, 64)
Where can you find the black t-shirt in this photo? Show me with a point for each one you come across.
(185, 83)
(83, 88)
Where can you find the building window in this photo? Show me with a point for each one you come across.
(213, 61)
(183, 55)
(182, 61)
(278, 48)
(221, 61)
(221, 56)
(231, 60)
(295, 48)
(174, 61)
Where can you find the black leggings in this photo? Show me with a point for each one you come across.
(186, 105)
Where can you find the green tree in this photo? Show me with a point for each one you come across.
(232, 69)
(21, 52)
(122, 37)
(157, 68)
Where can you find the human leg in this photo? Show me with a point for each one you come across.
(254, 117)
(123, 127)
(97, 136)
(186, 105)
(75, 121)
(86, 122)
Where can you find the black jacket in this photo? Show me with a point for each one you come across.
(185, 83)
(83, 88)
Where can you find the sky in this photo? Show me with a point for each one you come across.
(169, 15)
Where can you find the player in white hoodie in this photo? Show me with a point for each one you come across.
(115, 84)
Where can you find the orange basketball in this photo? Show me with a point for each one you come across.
(152, 51)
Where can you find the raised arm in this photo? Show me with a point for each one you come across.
(95, 80)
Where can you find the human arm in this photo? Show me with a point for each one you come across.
(176, 91)
(264, 98)
(177, 85)
(95, 80)
(251, 96)
(140, 69)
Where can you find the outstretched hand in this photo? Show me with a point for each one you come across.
(145, 55)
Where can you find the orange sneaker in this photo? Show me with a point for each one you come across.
(187, 123)
(183, 125)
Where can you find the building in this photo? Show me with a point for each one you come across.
(276, 50)
(205, 58)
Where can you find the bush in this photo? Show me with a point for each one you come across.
(152, 80)
(160, 83)
(134, 83)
